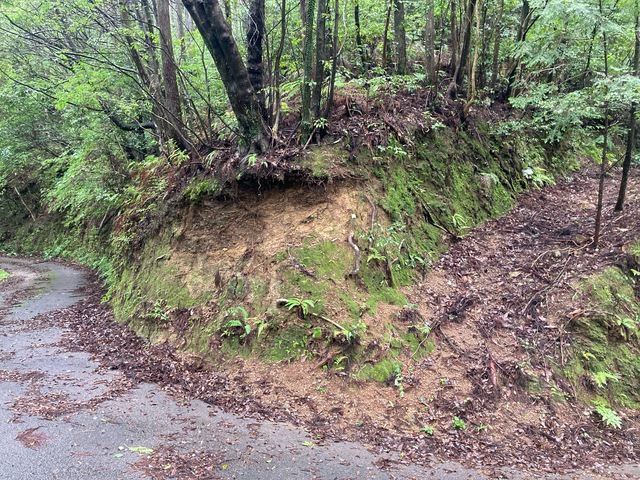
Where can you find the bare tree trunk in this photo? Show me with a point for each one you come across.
(631, 134)
(308, 70)
(399, 37)
(458, 77)
(321, 56)
(334, 55)
(255, 34)
(385, 37)
(217, 36)
(523, 27)
(495, 68)
(361, 49)
(173, 118)
(276, 70)
(453, 62)
(605, 143)
(474, 64)
(430, 45)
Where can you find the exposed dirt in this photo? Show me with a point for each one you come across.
(499, 304)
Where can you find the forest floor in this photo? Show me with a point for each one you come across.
(499, 304)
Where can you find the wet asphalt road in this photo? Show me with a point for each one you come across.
(108, 438)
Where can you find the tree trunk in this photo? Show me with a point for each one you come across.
(456, 83)
(321, 56)
(453, 47)
(631, 134)
(385, 37)
(430, 45)
(361, 49)
(334, 55)
(523, 28)
(216, 33)
(276, 69)
(172, 120)
(308, 70)
(399, 37)
(495, 67)
(474, 64)
(255, 33)
(605, 144)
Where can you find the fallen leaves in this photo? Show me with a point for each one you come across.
(32, 439)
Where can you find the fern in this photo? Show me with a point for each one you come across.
(607, 415)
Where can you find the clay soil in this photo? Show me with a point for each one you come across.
(499, 304)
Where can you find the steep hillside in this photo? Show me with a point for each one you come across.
(351, 289)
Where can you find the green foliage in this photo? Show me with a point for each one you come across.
(4, 275)
(429, 430)
(304, 306)
(538, 177)
(459, 424)
(608, 416)
(235, 321)
(199, 189)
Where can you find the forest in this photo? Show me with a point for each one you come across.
(105, 87)
(427, 208)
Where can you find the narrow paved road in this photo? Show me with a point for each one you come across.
(63, 417)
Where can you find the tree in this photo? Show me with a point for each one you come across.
(217, 36)
(400, 37)
(173, 117)
(631, 130)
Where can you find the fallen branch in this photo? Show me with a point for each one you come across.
(25, 205)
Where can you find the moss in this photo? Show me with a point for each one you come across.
(4, 274)
(288, 344)
(605, 360)
(321, 159)
(383, 371)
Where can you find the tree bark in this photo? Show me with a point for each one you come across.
(399, 37)
(523, 27)
(474, 63)
(605, 143)
(464, 52)
(275, 123)
(255, 34)
(495, 67)
(361, 49)
(321, 56)
(216, 33)
(631, 133)
(385, 37)
(308, 70)
(334, 58)
(430, 45)
(453, 47)
(172, 121)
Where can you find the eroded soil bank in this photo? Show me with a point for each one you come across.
(72, 414)
(512, 373)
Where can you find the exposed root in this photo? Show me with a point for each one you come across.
(356, 262)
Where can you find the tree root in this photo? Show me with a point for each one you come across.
(356, 262)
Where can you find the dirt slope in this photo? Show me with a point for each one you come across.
(502, 307)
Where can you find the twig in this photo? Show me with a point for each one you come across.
(547, 289)
(25, 205)
(335, 324)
